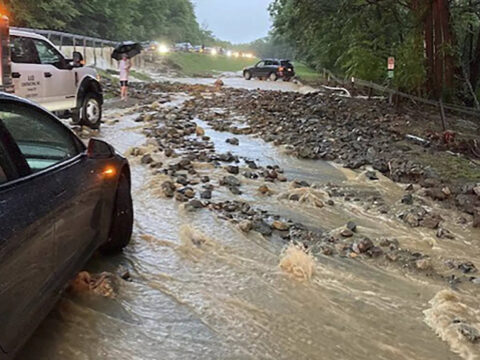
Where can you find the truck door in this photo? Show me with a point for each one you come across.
(59, 77)
(27, 74)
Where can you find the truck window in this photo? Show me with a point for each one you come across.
(47, 53)
(23, 50)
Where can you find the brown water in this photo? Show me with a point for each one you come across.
(202, 289)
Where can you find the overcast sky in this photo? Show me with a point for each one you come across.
(238, 21)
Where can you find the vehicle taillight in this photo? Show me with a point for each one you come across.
(109, 172)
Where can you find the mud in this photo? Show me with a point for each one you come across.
(259, 274)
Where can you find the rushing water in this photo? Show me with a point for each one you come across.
(202, 289)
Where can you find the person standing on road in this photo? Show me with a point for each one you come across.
(124, 67)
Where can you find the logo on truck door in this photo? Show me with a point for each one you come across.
(30, 86)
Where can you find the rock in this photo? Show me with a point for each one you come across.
(207, 194)
(436, 194)
(233, 169)
(233, 141)
(199, 131)
(230, 181)
(219, 83)
(330, 203)
(444, 234)
(407, 199)
(431, 221)
(476, 190)
(235, 190)
(362, 246)
(352, 226)
(180, 197)
(446, 190)
(282, 178)
(467, 268)
(281, 226)
(245, 225)
(189, 193)
(264, 190)
(205, 179)
(346, 233)
(168, 188)
(195, 204)
(147, 159)
(476, 219)
(261, 227)
(251, 164)
(469, 332)
(371, 175)
(423, 264)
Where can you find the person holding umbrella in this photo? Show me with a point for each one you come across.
(124, 66)
(123, 52)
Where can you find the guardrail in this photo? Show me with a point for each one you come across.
(71, 42)
(384, 89)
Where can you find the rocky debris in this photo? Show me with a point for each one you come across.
(280, 226)
(351, 226)
(233, 169)
(260, 226)
(168, 188)
(476, 219)
(245, 225)
(469, 332)
(233, 141)
(346, 233)
(230, 181)
(207, 194)
(194, 204)
(264, 190)
(423, 264)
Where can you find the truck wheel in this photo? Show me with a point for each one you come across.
(273, 77)
(91, 111)
(247, 75)
(122, 219)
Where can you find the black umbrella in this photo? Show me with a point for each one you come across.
(127, 47)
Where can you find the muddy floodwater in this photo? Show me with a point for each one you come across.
(202, 289)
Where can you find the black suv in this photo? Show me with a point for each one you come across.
(272, 69)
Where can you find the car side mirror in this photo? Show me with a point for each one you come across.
(78, 59)
(99, 149)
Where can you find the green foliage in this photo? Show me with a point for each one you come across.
(172, 20)
(410, 72)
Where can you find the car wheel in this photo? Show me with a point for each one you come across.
(122, 219)
(273, 77)
(287, 79)
(76, 120)
(247, 75)
(91, 111)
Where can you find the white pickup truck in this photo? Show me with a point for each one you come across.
(40, 72)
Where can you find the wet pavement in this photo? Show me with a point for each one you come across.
(203, 289)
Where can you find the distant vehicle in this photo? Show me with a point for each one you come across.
(32, 67)
(60, 201)
(183, 47)
(150, 46)
(271, 69)
(198, 48)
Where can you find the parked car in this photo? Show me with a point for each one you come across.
(60, 201)
(271, 69)
(183, 47)
(40, 72)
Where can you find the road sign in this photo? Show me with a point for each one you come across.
(391, 63)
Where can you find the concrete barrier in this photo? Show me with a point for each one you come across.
(101, 57)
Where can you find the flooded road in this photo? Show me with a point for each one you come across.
(201, 288)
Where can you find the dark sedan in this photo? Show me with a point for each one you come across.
(271, 69)
(60, 201)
